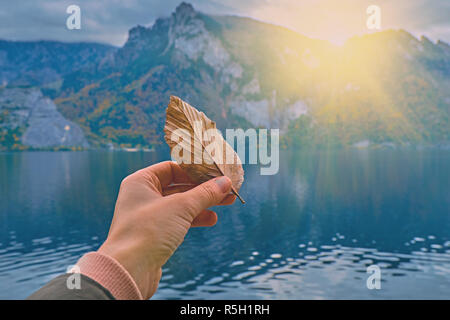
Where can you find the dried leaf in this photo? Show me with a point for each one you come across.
(198, 146)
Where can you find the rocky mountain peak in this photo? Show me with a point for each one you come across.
(193, 41)
(185, 20)
(184, 10)
(182, 20)
(137, 32)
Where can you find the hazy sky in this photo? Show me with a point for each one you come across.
(108, 21)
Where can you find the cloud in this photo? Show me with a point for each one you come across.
(108, 21)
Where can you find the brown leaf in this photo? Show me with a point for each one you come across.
(198, 146)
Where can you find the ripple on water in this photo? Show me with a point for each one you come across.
(21, 265)
(350, 262)
(46, 261)
(237, 263)
(243, 275)
(254, 268)
(214, 280)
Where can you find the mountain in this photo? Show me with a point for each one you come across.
(387, 87)
(45, 63)
(30, 120)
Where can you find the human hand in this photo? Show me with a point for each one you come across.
(154, 210)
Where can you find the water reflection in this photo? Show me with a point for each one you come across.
(308, 232)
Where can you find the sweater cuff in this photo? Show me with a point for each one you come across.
(110, 274)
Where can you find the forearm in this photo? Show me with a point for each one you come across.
(57, 289)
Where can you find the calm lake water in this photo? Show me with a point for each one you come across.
(309, 232)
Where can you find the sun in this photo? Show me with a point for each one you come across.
(335, 21)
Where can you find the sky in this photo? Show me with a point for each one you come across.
(108, 21)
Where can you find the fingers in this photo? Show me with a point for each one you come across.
(229, 199)
(169, 178)
(208, 194)
(206, 218)
(166, 172)
(176, 188)
(183, 187)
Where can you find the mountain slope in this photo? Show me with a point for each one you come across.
(30, 120)
(43, 63)
(384, 87)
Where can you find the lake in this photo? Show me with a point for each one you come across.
(309, 232)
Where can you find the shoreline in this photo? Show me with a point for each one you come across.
(370, 146)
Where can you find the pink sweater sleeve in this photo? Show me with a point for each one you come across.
(109, 273)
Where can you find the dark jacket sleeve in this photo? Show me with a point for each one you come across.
(57, 289)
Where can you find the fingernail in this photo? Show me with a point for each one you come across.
(224, 184)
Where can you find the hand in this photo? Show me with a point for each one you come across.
(155, 208)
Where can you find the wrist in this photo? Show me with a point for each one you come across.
(110, 274)
(145, 276)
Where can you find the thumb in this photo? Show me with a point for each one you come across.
(208, 194)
